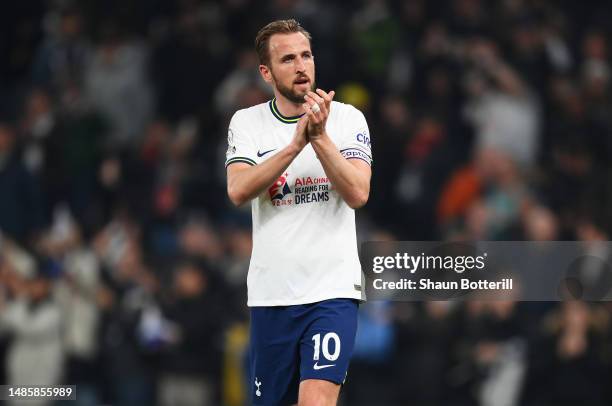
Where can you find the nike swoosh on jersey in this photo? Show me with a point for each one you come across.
(260, 154)
(317, 366)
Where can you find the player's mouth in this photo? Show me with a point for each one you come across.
(302, 82)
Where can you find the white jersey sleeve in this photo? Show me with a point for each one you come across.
(240, 147)
(356, 142)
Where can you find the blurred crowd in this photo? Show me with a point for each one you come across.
(123, 265)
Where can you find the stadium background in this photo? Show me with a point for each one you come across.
(123, 264)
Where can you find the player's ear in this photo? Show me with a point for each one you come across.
(266, 73)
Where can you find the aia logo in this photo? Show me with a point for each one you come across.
(280, 188)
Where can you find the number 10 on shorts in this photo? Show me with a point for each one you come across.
(318, 346)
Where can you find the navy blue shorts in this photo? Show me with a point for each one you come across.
(292, 343)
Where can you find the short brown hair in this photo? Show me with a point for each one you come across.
(275, 27)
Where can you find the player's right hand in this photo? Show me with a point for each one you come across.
(300, 137)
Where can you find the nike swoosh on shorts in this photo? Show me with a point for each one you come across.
(317, 366)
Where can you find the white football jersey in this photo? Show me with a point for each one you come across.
(304, 237)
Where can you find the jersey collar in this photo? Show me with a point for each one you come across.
(283, 119)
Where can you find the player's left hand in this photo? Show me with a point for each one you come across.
(317, 119)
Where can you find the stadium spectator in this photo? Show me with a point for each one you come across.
(21, 206)
(117, 84)
(34, 320)
(191, 358)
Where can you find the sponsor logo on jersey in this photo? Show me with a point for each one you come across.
(364, 139)
(309, 190)
(231, 148)
(308, 180)
(279, 189)
(305, 189)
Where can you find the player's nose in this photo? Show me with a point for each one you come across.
(299, 65)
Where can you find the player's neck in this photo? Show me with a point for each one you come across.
(288, 108)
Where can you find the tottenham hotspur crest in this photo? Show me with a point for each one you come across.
(258, 384)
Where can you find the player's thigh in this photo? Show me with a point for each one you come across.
(327, 345)
(274, 358)
(318, 392)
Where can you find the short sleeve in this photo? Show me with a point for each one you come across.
(356, 142)
(239, 145)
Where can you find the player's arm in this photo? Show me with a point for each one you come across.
(245, 182)
(350, 177)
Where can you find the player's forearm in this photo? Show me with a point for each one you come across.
(348, 181)
(248, 183)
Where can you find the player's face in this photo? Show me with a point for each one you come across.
(292, 69)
